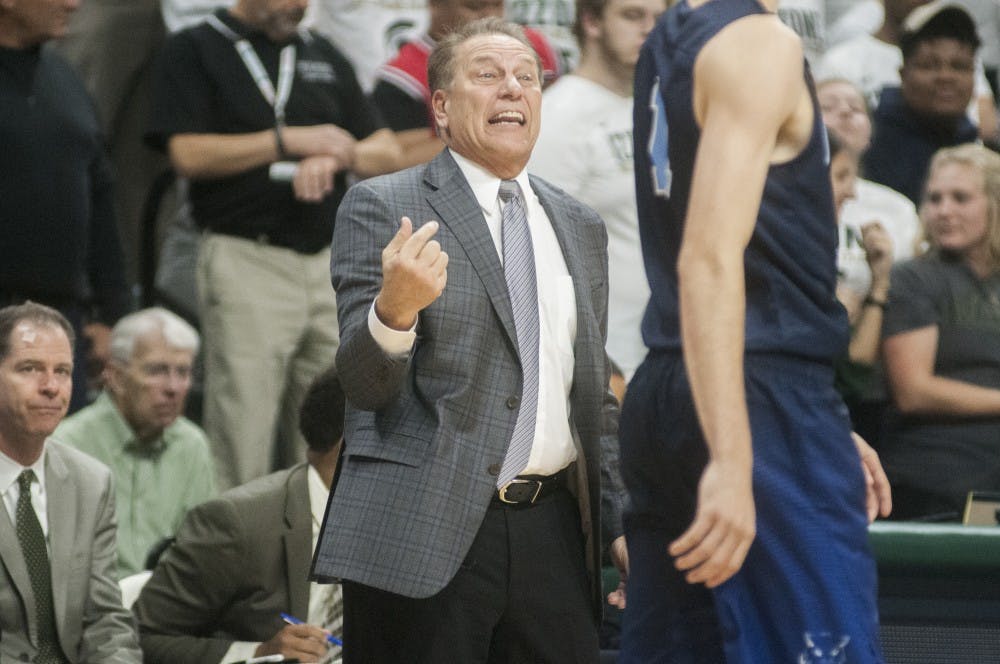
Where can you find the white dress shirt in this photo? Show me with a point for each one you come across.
(552, 449)
(10, 470)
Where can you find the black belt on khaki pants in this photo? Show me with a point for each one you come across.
(525, 490)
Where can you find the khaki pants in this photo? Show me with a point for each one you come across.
(269, 320)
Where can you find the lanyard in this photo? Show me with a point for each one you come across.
(286, 69)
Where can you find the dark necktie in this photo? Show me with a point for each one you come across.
(519, 270)
(32, 539)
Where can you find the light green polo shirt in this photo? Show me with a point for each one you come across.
(155, 483)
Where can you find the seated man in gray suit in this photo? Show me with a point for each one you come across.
(480, 444)
(242, 559)
(59, 598)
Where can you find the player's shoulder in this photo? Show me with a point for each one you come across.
(758, 46)
(756, 36)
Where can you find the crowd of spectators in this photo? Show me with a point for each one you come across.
(97, 100)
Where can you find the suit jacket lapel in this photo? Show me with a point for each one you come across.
(566, 234)
(458, 209)
(298, 542)
(61, 489)
(13, 560)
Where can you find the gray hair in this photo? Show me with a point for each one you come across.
(175, 330)
(441, 63)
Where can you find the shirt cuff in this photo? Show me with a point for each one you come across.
(240, 651)
(394, 343)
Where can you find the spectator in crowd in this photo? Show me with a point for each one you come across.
(870, 61)
(846, 115)
(266, 307)
(480, 432)
(60, 241)
(59, 597)
(927, 111)
(873, 61)
(586, 149)
(806, 18)
(160, 460)
(112, 45)
(872, 212)
(553, 18)
(369, 33)
(986, 14)
(846, 19)
(242, 559)
(855, 371)
(941, 343)
(401, 91)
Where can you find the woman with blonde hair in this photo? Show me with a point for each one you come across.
(941, 343)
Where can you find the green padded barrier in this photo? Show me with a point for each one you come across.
(936, 549)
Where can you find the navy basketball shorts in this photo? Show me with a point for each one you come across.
(807, 590)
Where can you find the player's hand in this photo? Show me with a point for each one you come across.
(878, 493)
(714, 547)
(323, 139)
(414, 273)
(619, 556)
(313, 179)
(306, 643)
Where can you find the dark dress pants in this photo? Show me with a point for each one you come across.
(521, 595)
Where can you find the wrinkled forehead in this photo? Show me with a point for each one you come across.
(495, 48)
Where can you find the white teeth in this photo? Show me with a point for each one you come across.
(508, 116)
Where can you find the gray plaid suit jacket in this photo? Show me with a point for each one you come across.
(426, 434)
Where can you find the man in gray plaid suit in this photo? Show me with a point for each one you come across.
(472, 301)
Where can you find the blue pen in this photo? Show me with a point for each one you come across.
(292, 620)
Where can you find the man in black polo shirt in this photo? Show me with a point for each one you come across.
(266, 120)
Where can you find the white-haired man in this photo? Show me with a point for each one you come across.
(160, 460)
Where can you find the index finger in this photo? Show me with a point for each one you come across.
(403, 234)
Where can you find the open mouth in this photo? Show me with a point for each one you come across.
(508, 117)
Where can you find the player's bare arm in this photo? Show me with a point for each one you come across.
(754, 109)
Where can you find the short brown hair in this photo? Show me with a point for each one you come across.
(32, 312)
(441, 64)
(593, 8)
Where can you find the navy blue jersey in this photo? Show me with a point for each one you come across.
(790, 262)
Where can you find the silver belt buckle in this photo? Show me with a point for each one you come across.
(502, 493)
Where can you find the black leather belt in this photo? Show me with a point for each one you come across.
(526, 490)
